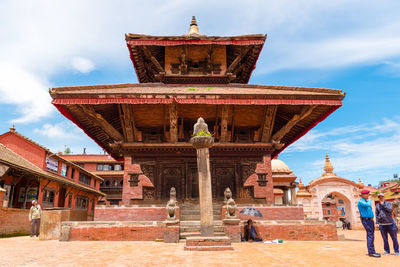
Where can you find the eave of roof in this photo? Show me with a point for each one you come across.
(55, 155)
(12, 159)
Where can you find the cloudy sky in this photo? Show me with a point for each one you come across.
(349, 45)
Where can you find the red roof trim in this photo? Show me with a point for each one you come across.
(323, 117)
(98, 101)
(200, 42)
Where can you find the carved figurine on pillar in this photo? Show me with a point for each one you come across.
(171, 205)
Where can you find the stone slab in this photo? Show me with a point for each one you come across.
(202, 243)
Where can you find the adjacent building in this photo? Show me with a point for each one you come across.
(30, 171)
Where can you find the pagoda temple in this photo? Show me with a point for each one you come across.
(181, 78)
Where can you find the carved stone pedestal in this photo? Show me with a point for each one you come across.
(208, 243)
(232, 229)
(171, 231)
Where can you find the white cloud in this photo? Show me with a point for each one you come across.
(44, 38)
(82, 65)
(58, 131)
(25, 90)
(357, 148)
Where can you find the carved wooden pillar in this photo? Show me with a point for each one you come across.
(224, 123)
(293, 198)
(173, 123)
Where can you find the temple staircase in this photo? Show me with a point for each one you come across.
(190, 221)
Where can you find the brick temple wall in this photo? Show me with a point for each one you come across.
(130, 213)
(269, 213)
(14, 221)
(300, 230)
(115, 231)
(133, 192)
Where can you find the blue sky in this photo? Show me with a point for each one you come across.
(348, 45)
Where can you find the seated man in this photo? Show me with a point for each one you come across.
(250, 232)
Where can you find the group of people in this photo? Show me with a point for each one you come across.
(384, 218)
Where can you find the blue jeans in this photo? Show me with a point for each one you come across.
(369, 226)
(392, 231)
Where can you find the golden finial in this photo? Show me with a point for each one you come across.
(301, 185)
(12, 128)
(360, 184)
(328, 166)
(194, 29)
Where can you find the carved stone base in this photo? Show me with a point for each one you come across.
(208, 243)
(231, 221)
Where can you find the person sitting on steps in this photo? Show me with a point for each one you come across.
(250, 233)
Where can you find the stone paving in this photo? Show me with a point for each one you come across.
(26, 251)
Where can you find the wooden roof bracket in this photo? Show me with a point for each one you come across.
(268, 124)
(306, 111)
(103, 123)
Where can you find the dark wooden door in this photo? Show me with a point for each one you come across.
(172, 176)
(61, 198)
(194, 182)
(225, 177)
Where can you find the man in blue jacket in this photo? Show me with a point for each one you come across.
(383, 213)
(367, 220)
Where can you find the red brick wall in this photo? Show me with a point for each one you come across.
(117, 233)
(14, 221)
(267, 191)
(121, 213)
(301, 232)
(133, 192)
(270, 213)
(24, 148)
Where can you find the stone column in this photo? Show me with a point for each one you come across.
(293, 197)
(202, 142)
(285, 196)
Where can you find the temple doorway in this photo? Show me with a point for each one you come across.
(336, 207)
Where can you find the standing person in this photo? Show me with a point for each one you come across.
(367, 220)
(34, 218)
(384, 218)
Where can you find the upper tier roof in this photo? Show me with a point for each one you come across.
(193, 58)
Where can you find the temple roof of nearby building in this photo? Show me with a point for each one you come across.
(90, 158)
(13, 160)
(50, 153)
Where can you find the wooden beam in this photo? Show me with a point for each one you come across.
(292, 122)
(224, 123)
(130, 131)
(233, 124)
(269, 120)
(237, 60)
(102, 123)
(173, 123)
(157, 64)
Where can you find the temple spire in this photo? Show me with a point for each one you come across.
(328, 166)
(194, 29)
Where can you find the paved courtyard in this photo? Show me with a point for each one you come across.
(26, 251)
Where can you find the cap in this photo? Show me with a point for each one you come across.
(381, 195)
(365, 191)
(33, 201)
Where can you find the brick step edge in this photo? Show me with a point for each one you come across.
(208, 248)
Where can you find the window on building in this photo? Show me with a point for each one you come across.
(48, 197)
(72, 173)
(99, 167)
(117, 167)
(341, 201)
(329, 212)
(64, 170)
(81, 203)
(81, 165)
(84, 179)
(109, 167)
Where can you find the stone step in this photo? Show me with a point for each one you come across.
(186, 234)
(208, 248)
(197, 223)
(197, 212)
(196, 217)
(187, 229)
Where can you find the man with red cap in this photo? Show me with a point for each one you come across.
(367, 220)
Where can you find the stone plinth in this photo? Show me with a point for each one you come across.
(208, 243)
(171, 231)
(232, 229)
